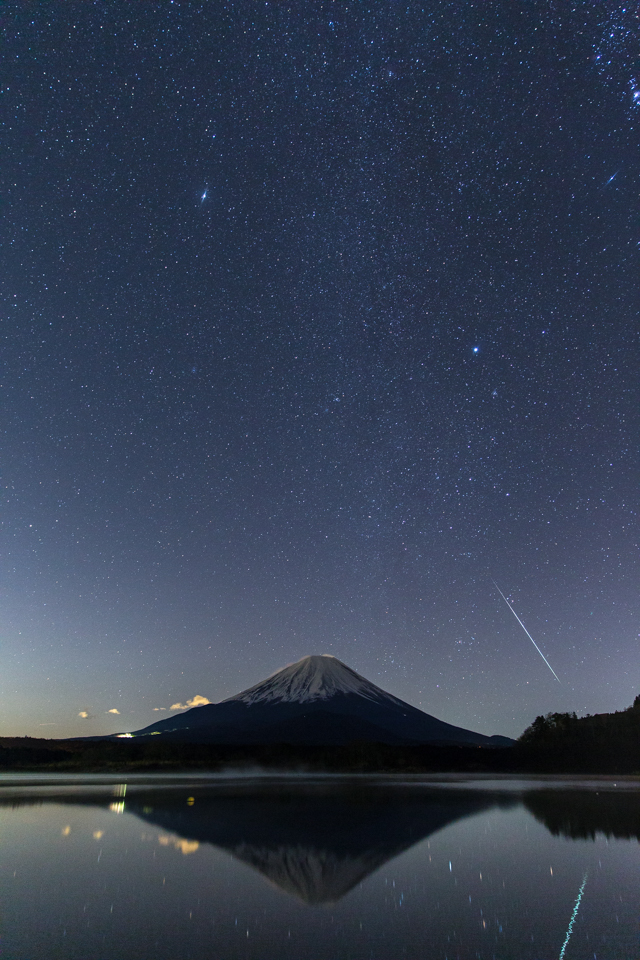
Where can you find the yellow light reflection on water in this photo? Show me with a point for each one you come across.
(185, 846)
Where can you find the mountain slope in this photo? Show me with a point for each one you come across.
(312, 678)
(318, 700)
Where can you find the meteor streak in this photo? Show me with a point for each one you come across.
(526, 631)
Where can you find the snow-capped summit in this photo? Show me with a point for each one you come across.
(312, 678)
(318, 700)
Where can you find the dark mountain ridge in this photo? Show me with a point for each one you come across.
(318, 700)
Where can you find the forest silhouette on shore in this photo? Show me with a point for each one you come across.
(607, 743)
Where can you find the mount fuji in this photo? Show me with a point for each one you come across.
(318, 700)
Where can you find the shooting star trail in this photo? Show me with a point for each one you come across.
(526, 631)
(573, 917)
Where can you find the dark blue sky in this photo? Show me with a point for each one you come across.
(316, 319)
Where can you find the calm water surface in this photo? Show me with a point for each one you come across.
(325, 869)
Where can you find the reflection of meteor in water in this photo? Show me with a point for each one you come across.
(573, 916)
(526, 631)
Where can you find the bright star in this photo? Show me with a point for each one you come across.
(204, 196)
(476, 349)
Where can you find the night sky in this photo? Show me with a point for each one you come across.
(317, 318)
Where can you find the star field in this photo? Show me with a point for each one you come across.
(316, 320)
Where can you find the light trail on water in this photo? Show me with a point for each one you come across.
(573, 916)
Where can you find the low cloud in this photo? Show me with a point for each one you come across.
(197, 701)
(113, 710)
(85, 715)
(157, 709)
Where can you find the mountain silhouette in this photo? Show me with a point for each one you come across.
(318, 700)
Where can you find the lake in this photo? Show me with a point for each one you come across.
(324, 868)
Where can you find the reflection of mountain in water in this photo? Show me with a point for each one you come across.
(313, 875)
(316, 844)
(581, 814)
(318, 839)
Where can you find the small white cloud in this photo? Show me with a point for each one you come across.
(85, 715)
(113, 710)
(197, 701)
(157, 709)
